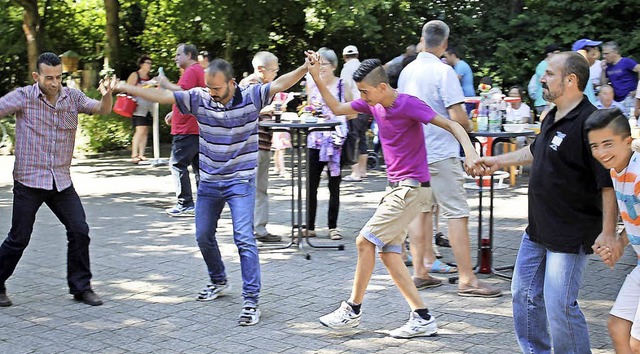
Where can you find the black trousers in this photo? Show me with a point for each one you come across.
(315, 171)
(67, 207)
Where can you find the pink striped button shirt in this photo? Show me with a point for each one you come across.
(45, 134)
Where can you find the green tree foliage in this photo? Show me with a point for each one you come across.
(503, 39)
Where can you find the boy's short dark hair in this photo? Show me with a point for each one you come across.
(371, 71)
(48, 59)
(613, 118)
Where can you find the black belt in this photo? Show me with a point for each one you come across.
(409, 183)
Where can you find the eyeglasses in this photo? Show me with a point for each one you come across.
(148, 62)
(273, 70)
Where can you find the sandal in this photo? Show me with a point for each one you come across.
(442, 240)
(440, 267)
(135, 160)
(335, 234)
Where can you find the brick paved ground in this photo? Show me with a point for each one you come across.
(148, 270)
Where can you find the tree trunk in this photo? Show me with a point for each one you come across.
(516, 7)
(32, 31)
(112, 8)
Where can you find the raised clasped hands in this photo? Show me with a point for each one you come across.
(107, 85)
(312, 60)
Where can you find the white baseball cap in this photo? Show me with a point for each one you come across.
(350, 49)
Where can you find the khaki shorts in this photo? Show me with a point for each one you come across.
(387, 228)
(626, 305)
(447, 182)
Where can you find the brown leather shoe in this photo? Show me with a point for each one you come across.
(480, 290)
(88, 297)
(4, 300)
(430, 282)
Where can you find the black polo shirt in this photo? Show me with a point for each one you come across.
(565, 201)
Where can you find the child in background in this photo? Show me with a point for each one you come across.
(281, 140)
(610, 140)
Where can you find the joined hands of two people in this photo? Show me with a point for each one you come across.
(609, 248)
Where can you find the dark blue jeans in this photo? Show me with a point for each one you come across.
(67, 207)
(240, 195)
(184, 153)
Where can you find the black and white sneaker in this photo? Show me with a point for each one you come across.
(249, 315)
(212, 291)
(416, 327)
(343, 317)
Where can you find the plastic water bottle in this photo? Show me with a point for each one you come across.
(483, 117)
(483, 123)
(495, 119)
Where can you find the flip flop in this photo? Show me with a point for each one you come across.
(440, 267)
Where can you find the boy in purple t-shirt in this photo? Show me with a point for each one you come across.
(399, 118)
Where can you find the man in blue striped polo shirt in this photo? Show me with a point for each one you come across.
(228, 120)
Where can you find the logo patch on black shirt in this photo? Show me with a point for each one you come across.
(557, 140)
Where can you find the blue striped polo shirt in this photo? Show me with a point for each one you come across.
(228, 133)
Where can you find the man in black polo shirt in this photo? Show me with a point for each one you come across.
(571, 203)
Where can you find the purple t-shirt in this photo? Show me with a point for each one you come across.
(400, 132)
(623, 78)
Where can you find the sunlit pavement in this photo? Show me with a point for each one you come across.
(148, 270)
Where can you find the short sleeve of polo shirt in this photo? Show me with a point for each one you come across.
(419, 110)
(84, 104)
(450, 88)
(193, 77)
(361, 106)
(189, 101)
(630, 64)
(259, 95)
(11, 102)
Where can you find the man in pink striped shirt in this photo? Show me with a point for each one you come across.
(46, 122)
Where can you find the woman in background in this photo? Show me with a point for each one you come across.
(141, 119)
(325, 147)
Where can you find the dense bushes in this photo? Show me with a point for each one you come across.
(98, 133)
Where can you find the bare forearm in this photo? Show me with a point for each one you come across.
(170, 86)
(516, 158)
(337, 107)
(287, 80)
(459, 115)
(609, 210)
(105, 104)
(461, 135)
(150, 94)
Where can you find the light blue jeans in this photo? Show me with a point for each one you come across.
(545, 289)
(240, 195)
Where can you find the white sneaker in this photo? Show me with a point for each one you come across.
(249, 315)
(343, 317)
(212, 291)
(416, 327)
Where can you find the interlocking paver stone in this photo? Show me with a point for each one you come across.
(148, 269)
